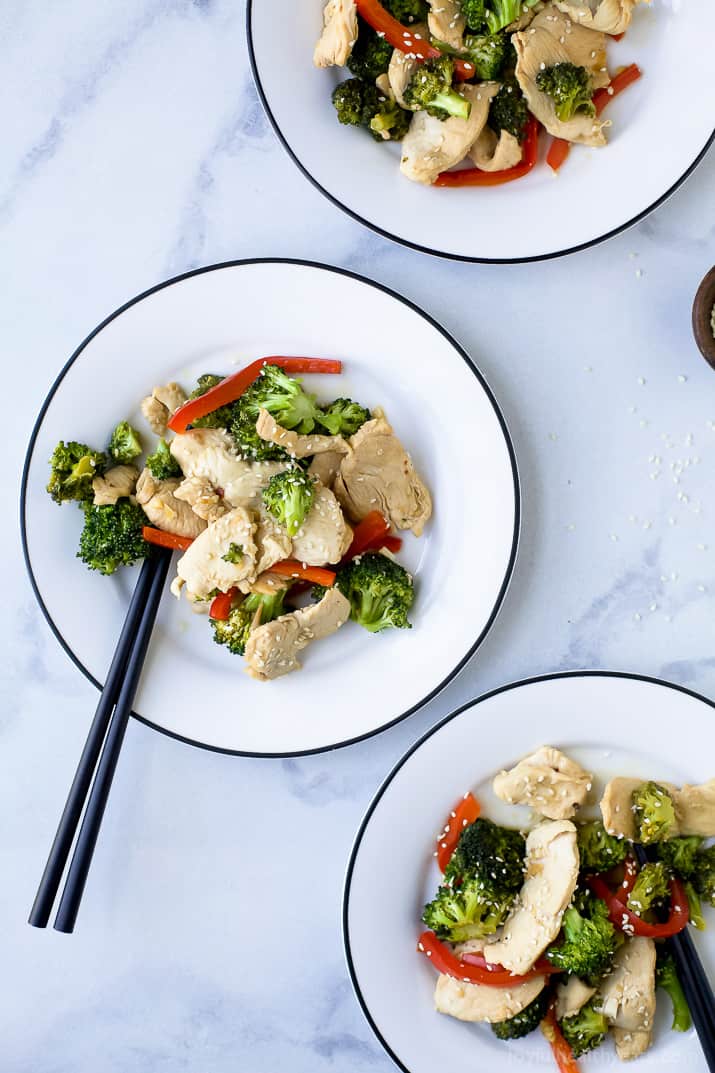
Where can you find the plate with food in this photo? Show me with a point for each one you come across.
(419, 116)
(503, 851)
(325, 498)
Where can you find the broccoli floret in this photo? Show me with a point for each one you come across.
(680, 855)
(220, 418)
(112, 536)
(430, 89)
(125, 444)
(569, 87)
(371, 54)
(469, 911)
(283, 397)
(344, 417)
(704, 874)
(585, 1030)
(492, 852)
(380, 592)
(360, 104)
(521, 1024)
(162, 465)
(480, 884)
(253, 446)
(695, 907)
(233, 632)
(589, 940)
(509, 111)
(234, 554)
(491, 16)
(289, 496)
(349, 100)
(488, 53)
(666, 977)
(652, 886)
(598, 850)
(654, 813)
(407, 11)
(74, 466)
(475, 14)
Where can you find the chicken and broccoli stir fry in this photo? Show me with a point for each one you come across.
(270, 495)
(557, 927)
(474, 80)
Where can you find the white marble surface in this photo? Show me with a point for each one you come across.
(134, 148)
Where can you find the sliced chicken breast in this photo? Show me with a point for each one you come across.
(202, 497)
(608, 16)
(114, 484)
(203, 566)
(547, 781)
(433, 145)
(163, 509)
(209, 453)
(492, 153)
(552, 864)
(627, 996)
(158, 407)
(296, 444)
(480, 1002)
(550, 39)
(402, 68)
(340, 30)
(572, 997)
(378, 474)
(324, 536)
(446, 22)
(272, 649)
(272, 541)
(326, 467)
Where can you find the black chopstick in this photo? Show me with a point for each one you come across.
(148, 589)
(694, 981)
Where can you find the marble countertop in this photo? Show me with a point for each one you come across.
(135, 149)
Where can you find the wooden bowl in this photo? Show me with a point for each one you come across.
(703, 317)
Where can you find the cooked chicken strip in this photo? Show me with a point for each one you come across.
(608, 16)
(547, 781)
(480, 1002)
(552, 864)
(492, 153)
(572, 997)
(552, 38)
(433, 145)
(158, 407)
(326, 467)
(115, 483)
(324, 536)
(694, 807)
(272, 540)
(268, 584)
(296, 444)
(401, 68)
(210, 453)
(203, 566)
(340, 30)
(378, 475)
(272, 649)
(202, 497)
(163, 509)
(627, 996)
(446, 22)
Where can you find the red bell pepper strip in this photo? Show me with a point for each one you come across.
(625, 77)
(443, 960)
(631, 924)
(560, 1049)
(477, 177)
(221, 605)
(541, 967)
(232, 387)
(558, 152)
(318, 575)
(403, 38)
(464, 812)
(618, 37)
(392, 543)
(165, 540)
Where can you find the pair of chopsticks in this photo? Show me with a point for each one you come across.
(698, 992)
(98, 761)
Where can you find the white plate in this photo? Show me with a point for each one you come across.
(613, 724)
(598, 192)
(228, 315)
